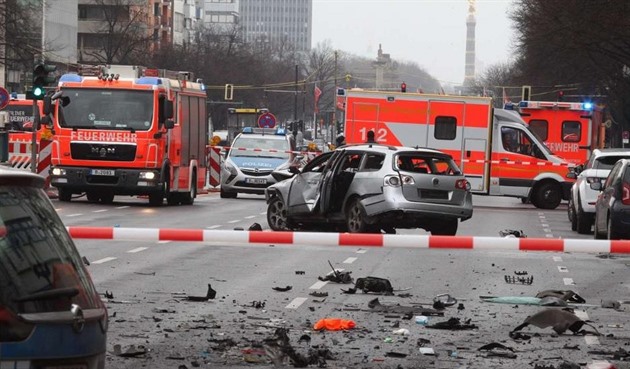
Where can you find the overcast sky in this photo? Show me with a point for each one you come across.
(431, 33)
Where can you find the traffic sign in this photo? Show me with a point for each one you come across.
(4, 98)
(267, 120)
(626, 135)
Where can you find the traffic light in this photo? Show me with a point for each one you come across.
(229, 91)
(560, 95)
(403, 87)
(526, 92)
(43, 76)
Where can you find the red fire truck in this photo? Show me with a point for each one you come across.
(571, 130)
(494, 148)
(129, 130)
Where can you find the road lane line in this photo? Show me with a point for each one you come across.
(568, 281)
(100, 211)
(103, 260)
(263, 213)
(361, 251)
(545, 225)
(164, 241)
(563, 269)
(549, 235)
(138, 249)
(122, 207)
(350, 260)
(557, 259)
(296, 303)
(74, 215)
(234, 221)
(317, 285)
(214, 226)
(251, 216)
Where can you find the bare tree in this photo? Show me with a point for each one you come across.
(120, 34)
(19, 40)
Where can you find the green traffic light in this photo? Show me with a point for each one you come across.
(38, 91)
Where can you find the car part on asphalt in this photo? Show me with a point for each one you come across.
(496, 349)
(519, 280)
(282, 289)
(376, 306)
(512, 233)
(567, 295)
(453, 324)
(558, 320)
(210, 295)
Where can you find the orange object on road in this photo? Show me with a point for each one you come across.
(334, 324)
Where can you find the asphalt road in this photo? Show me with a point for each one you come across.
(150, 281)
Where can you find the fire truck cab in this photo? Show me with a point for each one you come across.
(129, 130)
(494, 148)
(571, 130)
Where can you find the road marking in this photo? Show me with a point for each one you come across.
(318, 285)
(361, 251)
(164, 241)
(103, 260)
(214, 226)
(541, 216)
(545, 225)
(122, 207)
(296, 303)
(562, 269)
(557, 258)
(263, 213)
(250, 216)
(549, 235)
(74, 215)
(546, 230)
(138, 249)
(349, 260)
(234, 221)
(100, 211)
(568, 281)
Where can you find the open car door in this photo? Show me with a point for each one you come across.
(304, 192)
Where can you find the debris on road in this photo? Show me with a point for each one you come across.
(427, 351)
(566, 295)
(453, 324)
(282, 289)
(497, 350)
(278, 348)
(610, 304)
(395, 354)
(375, 285)
(375, 305)
(519, 280)
(131, 351)
(443, 301)
(336, 276)
(210, 295)
(334, 324)
(318, 294)
(558, 320)
(300, 272)
(255, 227)
(512, 233)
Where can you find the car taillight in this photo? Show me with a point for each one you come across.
(625, 194)
(462, 184)
(12, 329)
(395, 181)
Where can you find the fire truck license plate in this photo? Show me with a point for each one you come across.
(256, 180)
(103, 172)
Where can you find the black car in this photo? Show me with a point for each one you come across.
(612, 210)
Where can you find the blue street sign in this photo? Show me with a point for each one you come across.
(4, 98)
(267, 120)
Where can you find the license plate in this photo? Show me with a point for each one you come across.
(256, 180)
(103, 172)
(434, 194)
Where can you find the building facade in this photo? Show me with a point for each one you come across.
(277, 21)
(220, 15)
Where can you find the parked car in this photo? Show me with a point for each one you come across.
(581, 209)
(255, 154)
(50, 313)
(612, 209)
(373, 188)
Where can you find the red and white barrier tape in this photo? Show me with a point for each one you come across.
(351, 239)
(543, 163)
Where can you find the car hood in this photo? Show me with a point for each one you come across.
(257, 163)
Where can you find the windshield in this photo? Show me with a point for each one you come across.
(607, 162)
(542, 146)
(426, 163)
(19, 115)
(107, 109)
(40, 270)
(265, 144)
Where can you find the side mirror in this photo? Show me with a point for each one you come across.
(294, 169)
(597, 186)
(169, 124)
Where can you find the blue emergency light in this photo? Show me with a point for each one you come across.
(281, 131)
(522, 104)
(587, 106)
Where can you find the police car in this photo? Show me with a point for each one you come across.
(254, 154)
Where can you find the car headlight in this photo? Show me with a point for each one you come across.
(58, 172)
(230, 167)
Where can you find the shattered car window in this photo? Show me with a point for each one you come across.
(436, 165)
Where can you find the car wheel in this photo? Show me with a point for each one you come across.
(277, 215)
(571, 214)
(356, 218)
(92, 196)
(445, 228)
(548, 195)
(65, 195)
(107, 198)
(188, 198)
(583, 221)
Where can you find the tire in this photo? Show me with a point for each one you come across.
(277, 215)
(356, 218)
(107, 198)
(610, 232)
(92, 196)
(228, 195)
(582, 220)
(445, 227)
(188, 198)
(524, 200)
(65, 195)
(571, 214)
(548, 195)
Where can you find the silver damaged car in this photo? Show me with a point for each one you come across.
(372, 188)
